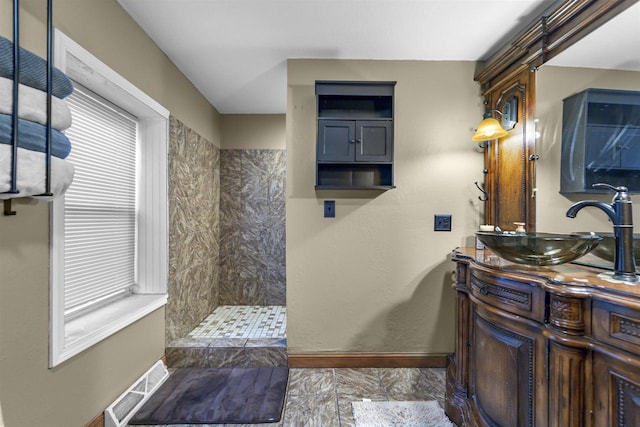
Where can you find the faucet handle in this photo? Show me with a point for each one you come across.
(620, 189)
(622, 192)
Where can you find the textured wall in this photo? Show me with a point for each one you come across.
(252, 227)
(253, 131)
(377, 278)
(194, 200)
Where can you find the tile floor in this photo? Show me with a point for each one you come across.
(315, 397)
(322, 397)
(243, 321)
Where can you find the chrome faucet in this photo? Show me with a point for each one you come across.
(620, 212)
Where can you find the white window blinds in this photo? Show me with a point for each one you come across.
(100, 206)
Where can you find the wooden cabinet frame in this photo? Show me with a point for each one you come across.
(510, 161)
(514, 64)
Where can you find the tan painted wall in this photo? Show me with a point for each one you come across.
(253, 131)
(108, 32)
(553, 85)
(377, 278)
(79, 389)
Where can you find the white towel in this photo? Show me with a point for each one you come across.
(31, 174)
(32, 105)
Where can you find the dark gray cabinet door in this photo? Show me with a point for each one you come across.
(354, 140)
(611, 147)
(602, 148)
(336, 140)
(630, 148)
(373, 141)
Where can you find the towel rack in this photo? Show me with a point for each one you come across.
(16, 82)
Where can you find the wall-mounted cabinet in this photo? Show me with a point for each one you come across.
(600, 140)
(354, 149)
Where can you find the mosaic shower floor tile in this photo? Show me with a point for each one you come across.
(231, 321)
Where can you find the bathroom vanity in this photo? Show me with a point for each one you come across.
(543, 346)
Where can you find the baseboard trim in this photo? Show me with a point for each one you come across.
(366, 360)
(98, 421)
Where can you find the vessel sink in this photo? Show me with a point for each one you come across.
(606, 249)
(539, 248)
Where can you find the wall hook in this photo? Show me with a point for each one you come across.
(485, 195)
(7, 208)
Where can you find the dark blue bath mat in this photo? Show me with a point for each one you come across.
(217, 396)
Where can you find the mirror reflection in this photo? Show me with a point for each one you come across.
(607, 59)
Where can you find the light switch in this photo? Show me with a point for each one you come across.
(329, 208)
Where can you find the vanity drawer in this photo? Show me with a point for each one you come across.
(513, 294)
(616, 325)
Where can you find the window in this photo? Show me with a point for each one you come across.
(109, 232)
(100, 208)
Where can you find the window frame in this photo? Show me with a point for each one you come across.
(70, 337)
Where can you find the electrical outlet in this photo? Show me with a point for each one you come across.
(441, 222)
(329, 208)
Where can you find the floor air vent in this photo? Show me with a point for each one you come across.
(121, 411)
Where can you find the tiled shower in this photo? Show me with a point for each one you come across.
(252, 227)
(227, 250)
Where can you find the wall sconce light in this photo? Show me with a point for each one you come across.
(489, 128)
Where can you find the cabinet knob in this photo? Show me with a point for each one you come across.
(358, 141)
(352, 141)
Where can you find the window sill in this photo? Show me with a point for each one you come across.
(91, 328)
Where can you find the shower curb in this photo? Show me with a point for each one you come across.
(212, 353)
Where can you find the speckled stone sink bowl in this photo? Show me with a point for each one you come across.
(539, 248)
(606, 249)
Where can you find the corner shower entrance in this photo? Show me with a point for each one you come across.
(227, 254)
(234, 336)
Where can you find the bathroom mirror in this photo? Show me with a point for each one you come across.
(523, 172)
(607, 58)
(510, 162)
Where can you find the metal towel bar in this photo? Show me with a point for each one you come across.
(16, 84)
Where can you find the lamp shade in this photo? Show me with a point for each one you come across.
(488, 129)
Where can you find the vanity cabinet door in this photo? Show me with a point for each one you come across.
(617, 391)
(508, 381)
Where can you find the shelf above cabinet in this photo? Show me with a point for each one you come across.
(340, 176)
(355, 107)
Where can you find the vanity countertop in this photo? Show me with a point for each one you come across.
(574, 277)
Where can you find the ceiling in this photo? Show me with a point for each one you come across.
(235, 51)
(615, 45)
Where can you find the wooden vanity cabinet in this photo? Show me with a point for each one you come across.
(534, 352)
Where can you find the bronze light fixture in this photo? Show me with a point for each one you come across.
(490, 128)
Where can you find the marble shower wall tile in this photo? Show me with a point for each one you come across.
(252, 227)
(194, 222)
